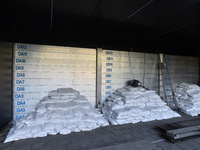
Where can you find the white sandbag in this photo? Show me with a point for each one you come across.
(48, 127)
(194, 112)
(121, 112)
(67, 91)
(193, 93)
(113, 105)
(53, 132)
(112, 121)
(36, 129)
(151, 95)
(145, 111)
(101, 121)
(40, 108)
(139, 105)
(65, 131)
(92, 112)
(183, 97)
(149, 91)
(127, 96)
(119, 102)
(38, 134)
(150, 103)
(41, 117)
(55, 114)
(51, 106)
(128, 100)
(76, 129)
(92, 125)
(85, 105)
(67, 98)
(63, 106)
(87, 118)
(70, 126)
(168, 115)
(86, 129)
(66, 113)
(53, 92)
(191, 86)
(81, 125)
(57, 120)
(80, 99)
(133, 121)
(30, 116)
(142, 99)
(114, 98)
(106, 112)
(49, 101)
(72, 105)
(147, 119)
(73, 119)
(158, 108)
(135, 96)
(46, 98)
(56, 97)
(192, 100)
(134, 109)
(78, 112)
(189, 101)
(121, 121)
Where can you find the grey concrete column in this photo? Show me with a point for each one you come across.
(98, 76)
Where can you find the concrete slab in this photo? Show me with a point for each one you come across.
(134, 145)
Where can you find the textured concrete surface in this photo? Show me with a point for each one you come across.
(134, 145)
(111, 137)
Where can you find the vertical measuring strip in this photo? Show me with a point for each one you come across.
(108, 75)
(20, 54)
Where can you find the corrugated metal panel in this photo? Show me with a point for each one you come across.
(5, 82)
(39, 69)
(118, 67)
(183, 69)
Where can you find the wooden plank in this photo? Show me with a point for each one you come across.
(184, 130)
(179, 136)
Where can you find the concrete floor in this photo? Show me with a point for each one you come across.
(139, 136)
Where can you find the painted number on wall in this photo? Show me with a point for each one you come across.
(108, 81)
(20, 60)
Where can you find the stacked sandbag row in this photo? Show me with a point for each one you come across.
(62, 111)
(188, 98)
(135, 104)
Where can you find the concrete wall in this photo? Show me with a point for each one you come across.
(118, 67)
(39, 69)
(5, 83)
(183, 69)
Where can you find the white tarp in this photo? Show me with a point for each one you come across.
(62, 111)
(135, 104)
(188, 98)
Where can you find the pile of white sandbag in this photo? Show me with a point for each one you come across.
(188, 98)
(62, 111)
(135, 104)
